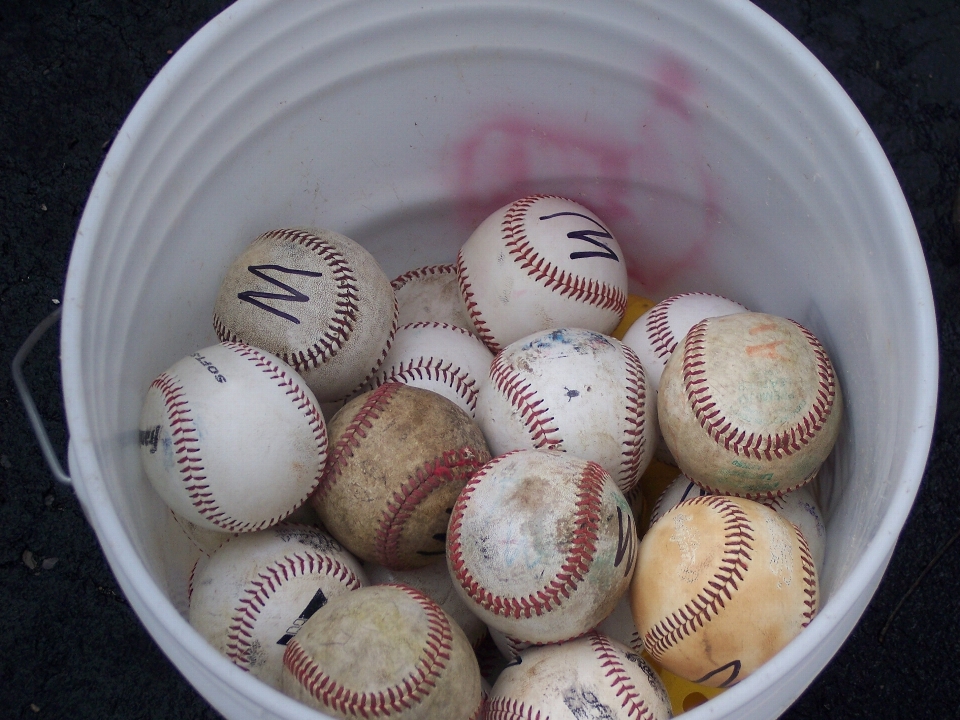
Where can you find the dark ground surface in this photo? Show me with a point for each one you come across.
(70, 71)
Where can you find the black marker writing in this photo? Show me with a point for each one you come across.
(589, 236)
(318, 601)
(290, 294)
(733, 667)
(626, 541)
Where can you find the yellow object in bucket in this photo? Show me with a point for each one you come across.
(636, 306)
(684, 695)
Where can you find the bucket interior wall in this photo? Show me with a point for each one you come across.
(720, 161)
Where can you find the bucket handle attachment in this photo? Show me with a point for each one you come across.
(33, 415)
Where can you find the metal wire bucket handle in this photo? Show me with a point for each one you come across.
(33, 415)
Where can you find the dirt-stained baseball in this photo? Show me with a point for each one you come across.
(573, 390)
(384, 651)
(541, 545)
(722, 585)
(232, 438)
(314, 298)
(537, 263)
(431, 294)
(749, 404)
(436, 356)
(591, 677)
(253, 595)
(399, 457)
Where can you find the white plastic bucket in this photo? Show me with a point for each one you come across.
(725, 157)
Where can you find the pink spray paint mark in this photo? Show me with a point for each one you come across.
(623, 180)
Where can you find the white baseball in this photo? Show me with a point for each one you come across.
(749, 404)
(798, 506)
(541, 262)
(541, 545)
(591, 677)
(620, 626)
(573, 390)
(435, 582)
(656, 333)
(232, 438)
(384, 651)
(256, 591)
(436, 356)
(722, 584)
(431, 294)
(317, 300)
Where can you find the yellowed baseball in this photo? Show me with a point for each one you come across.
(399, 456)
(314, 298)
(722, 584)
(749, 404)
(384, 651)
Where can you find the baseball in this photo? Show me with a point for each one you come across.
(541, 262)
(256, 591)
(399, 457)
(315, 299)
(384, 651)
(722, 584)
(232, 438)
(798, 506)
(436, 356)
(541, 545)
(572, 390)
(591, 677)
(749, 405)
(431, 294)
(435, 582)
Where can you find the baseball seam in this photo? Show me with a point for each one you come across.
(710, 599)
(351, 436)
(450, 467)
(428, 271)
(470, 304)
(659, 333)
(573, 568)
(811, 584)
(590, 291)
(757, 446)
(623, 686)
(634, 429)
(346, 304)
(507, 708)
(435, 370)
(532, 411)
(410, 691)
(269, 580)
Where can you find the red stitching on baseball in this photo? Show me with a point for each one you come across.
(590, 291)
(346, 303)
(410, 691)
(507, 708)
(810, 580)
(467, 295)
(540, 427)
(255, 596)
(635, 443)
(355, 431)
(732, 438)
(452, 467)
(428, 271)
(710, 600)
(589, 500)
(623, 686)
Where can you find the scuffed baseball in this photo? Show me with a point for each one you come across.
(749, 404)
(541, 545)
(399, 457)
(384, 651)
(799, 506)
(435, 582)
(436, 356)
(591, 677)
(257, 590)
(314, 298)
(431, 294)
(722, 585)
(537, 263)
(232, 438)
(573, 390)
